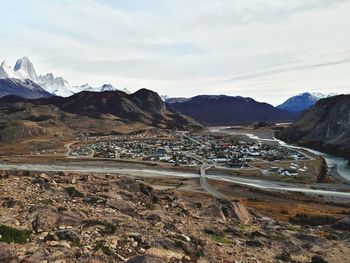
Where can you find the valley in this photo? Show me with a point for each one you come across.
(61, 145)
(175, 131)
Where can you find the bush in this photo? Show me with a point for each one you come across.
(10, 234)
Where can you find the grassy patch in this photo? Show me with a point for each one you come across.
(220, 239)
(10, 234)
(109, 228)
(72, 192)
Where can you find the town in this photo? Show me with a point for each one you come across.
(185, 149)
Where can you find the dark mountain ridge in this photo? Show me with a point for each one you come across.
(227, 110)
(26, 89)
(325, 126)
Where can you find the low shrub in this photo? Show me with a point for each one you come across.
(10, 234)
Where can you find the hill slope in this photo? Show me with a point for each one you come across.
(226, 110)
(326, 126)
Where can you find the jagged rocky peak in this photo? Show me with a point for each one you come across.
(4, 64)
(5, 71)
(24, 65)
(50, 78)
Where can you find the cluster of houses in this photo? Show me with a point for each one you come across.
(239, 154)
(177, 148)
(80, 150)
(293, 170)
(155, 150)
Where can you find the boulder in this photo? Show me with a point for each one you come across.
(70, 218)
(44, 218)
(123, 206)
(225, 210)
(7, 253)
(343, 224)
(69, 235)
(153, 218)
(318, 259)
(216, 213)
(129, 184)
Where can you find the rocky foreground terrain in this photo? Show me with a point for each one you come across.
(58, 217)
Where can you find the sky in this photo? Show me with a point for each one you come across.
(265, 49)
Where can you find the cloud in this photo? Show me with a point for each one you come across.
(182, 48)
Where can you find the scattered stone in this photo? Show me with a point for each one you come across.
(69, 235)
(7, 253)
(153, 218)
(254, 243)
(318, 259)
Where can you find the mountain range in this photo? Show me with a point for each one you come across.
(325, 126)
(226, 110)
(22, 80)
(24, 70)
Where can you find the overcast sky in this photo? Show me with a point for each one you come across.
(265, 49)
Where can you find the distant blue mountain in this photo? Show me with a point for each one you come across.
(302, 101)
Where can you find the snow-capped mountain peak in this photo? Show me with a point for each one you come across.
(5, 71)
(56, 85)
(25, 68)
(303, 101)
(107, 87)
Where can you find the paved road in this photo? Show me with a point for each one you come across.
(204, 182)
(204, 167)
(331, 191)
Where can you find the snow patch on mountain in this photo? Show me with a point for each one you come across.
(303, 101)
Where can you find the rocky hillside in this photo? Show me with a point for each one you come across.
(22, 88)
(326, 126)
(61, 217)
(226, 110)
(143, 106)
